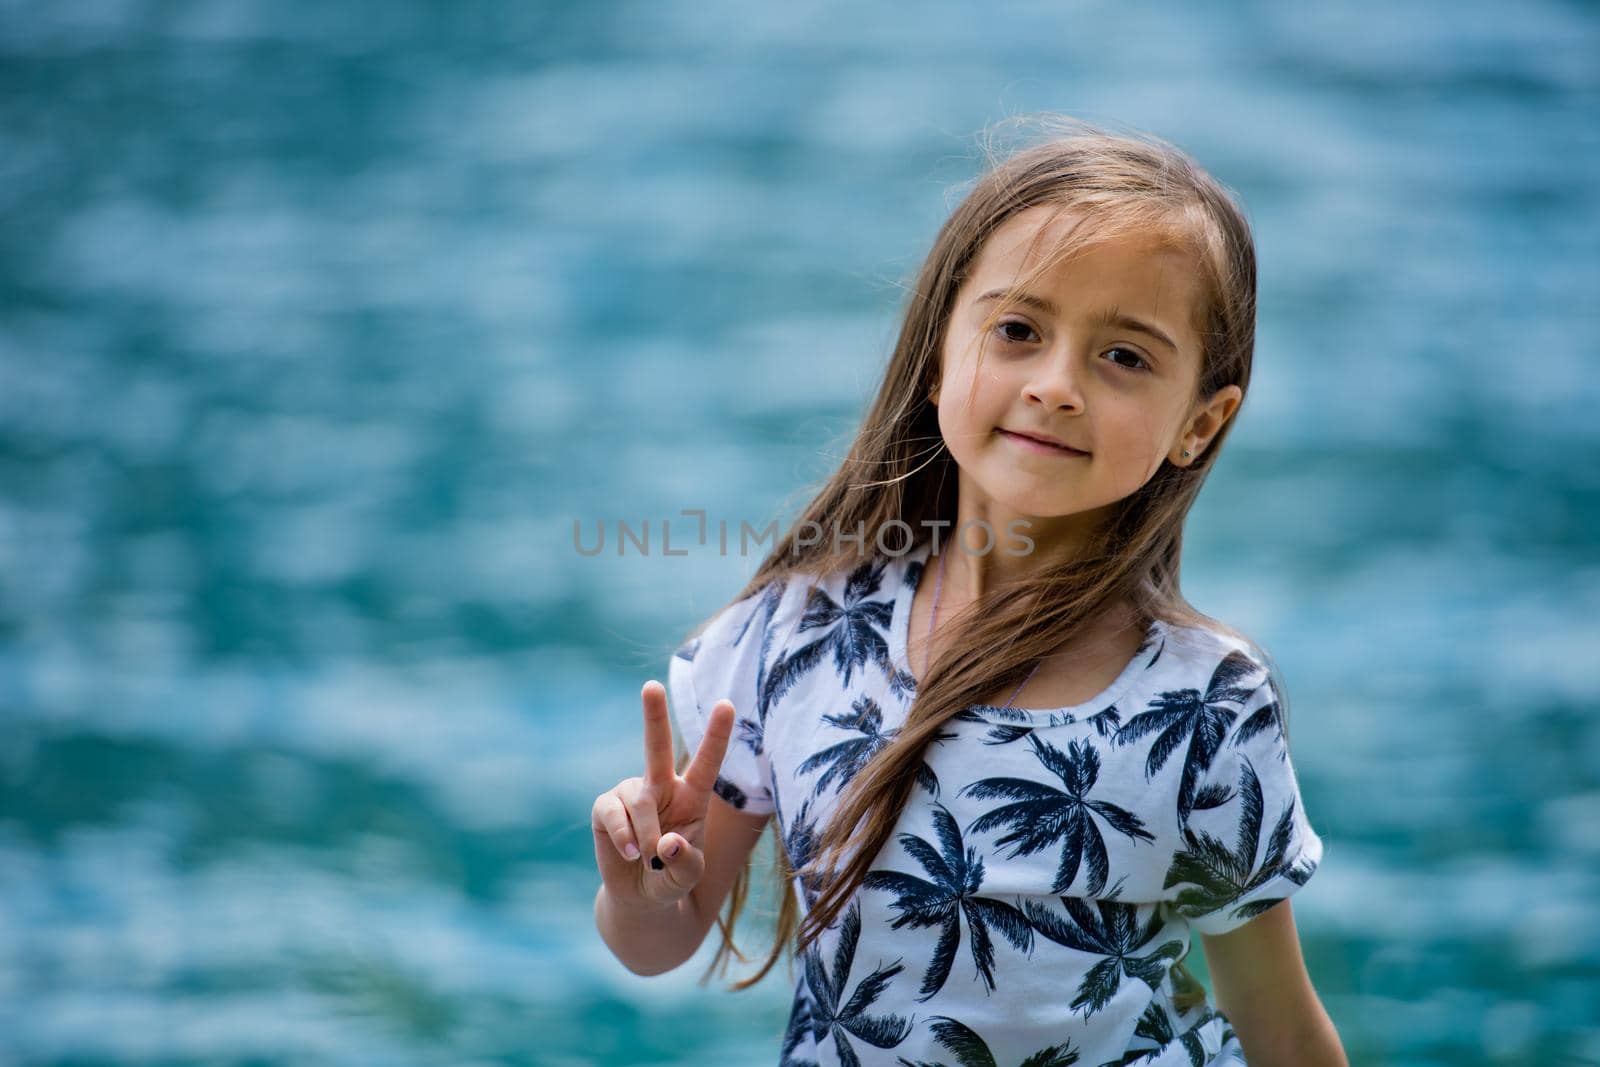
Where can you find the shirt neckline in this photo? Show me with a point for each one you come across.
(906, 584)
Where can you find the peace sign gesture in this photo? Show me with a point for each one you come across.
(649, 833)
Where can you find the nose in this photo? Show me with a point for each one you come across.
(1054, 383)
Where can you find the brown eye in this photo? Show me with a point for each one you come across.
(1003, 327)
(1143, 364)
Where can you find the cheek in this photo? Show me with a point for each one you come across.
(962, 421)
(955, 417)
(1139, 438)
(973, 390)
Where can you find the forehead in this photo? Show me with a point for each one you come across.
(1142, 274)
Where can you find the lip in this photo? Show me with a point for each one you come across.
(1041, 445)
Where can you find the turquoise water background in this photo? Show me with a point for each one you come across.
(320, 324)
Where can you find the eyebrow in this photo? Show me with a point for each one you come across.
(1111, 317)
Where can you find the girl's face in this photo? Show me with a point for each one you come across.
(1060, 365)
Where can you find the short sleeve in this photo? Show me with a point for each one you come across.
(1248, 843)
(727, 660)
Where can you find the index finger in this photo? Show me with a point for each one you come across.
(702, 771)
(657, 734)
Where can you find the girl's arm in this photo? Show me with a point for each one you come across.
(648, 939)
(1261, 985)
(652, 940)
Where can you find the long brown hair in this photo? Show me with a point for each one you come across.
(897, 469)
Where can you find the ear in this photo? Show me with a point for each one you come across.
(1204, 425)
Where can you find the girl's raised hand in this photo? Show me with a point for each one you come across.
(662, 816)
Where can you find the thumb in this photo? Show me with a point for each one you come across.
(682, 863)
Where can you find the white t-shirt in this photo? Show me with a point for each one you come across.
(1049, 867)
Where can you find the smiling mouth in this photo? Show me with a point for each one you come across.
(1033, 444)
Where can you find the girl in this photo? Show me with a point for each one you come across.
(1012, 769)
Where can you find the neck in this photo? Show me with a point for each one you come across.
(1055, 540)
(1110, 629)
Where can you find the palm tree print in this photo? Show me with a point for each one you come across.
(999, 733)
(957, 875)
(1004, 733)
(902, 683)
(846, 758)
(1043, 815)
(752, 732)
(1203, 718)
(1107, 722)
(1150, 635)
(1268, 715)
(1155, 1025)
(798, 1029)
(730, 792)
(722, 786)
(800, 843)
(771, 593)
(749, 731)
(834, 1015)
(1234, 1054)
(972, 1051)
(855, 632)
(1217, 875)
(1109, 929)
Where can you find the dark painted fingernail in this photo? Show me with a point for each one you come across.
(656, 864)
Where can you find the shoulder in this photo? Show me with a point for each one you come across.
(861, 584)
(1218, 655)
(1240, 680)
(795, 604)
(1227, 670)
(864, 589)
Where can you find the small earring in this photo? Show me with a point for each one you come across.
(1186, 453)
